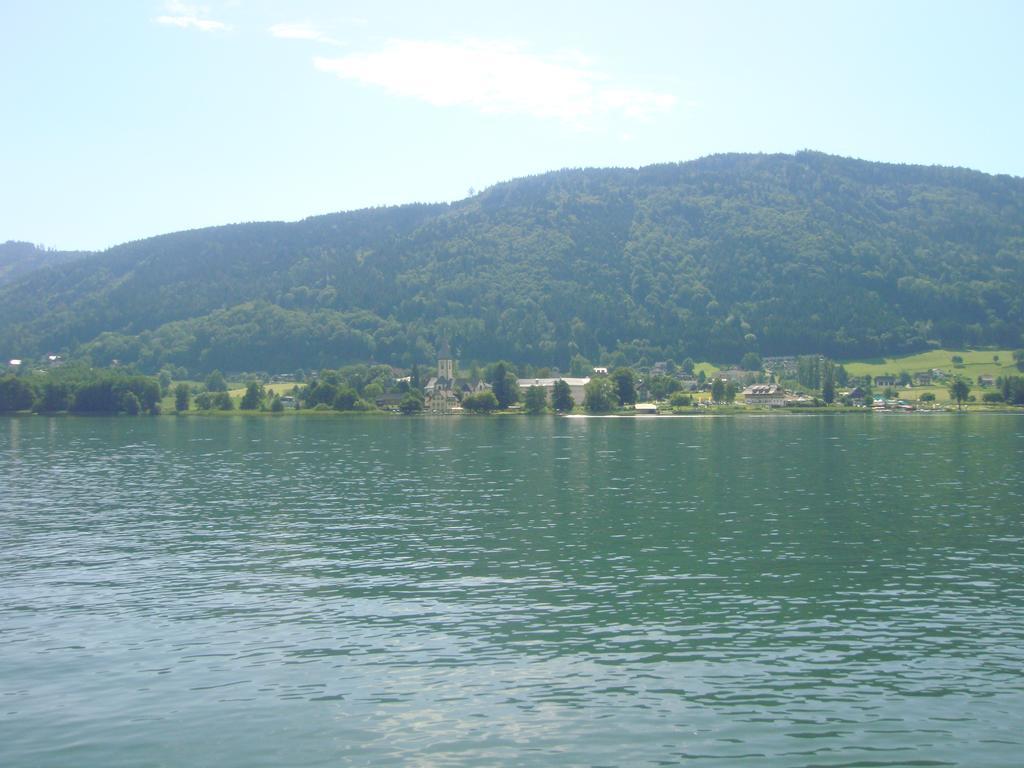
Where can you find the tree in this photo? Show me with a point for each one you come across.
(959, 390)
(718, 390)
(181, 396)
(56, 397)
(165, 381)
(253, 397)
(481, 402)
(730, 392)
(1018, 358)
(680, 400)
(688, 366)
(751, 362)
(536, 400)
(503, 385)
(1012, 388)
(927, 397)
(579, 366)
(561, 396)
(16, 394)
(412, 402)
(346, 399)
(320, 391)
(599, 395)
(276, 406)
(130, 404)
(414, 378)
(661, 387)
(625, 385)
(828, 387)
(204, 401)
(222, 401)
(215, 382)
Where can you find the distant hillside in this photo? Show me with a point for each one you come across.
(18, 259)
(774, 253)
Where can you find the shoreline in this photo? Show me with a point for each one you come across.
(705, 414)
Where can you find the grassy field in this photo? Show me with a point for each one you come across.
(282, 388)
(976, 363)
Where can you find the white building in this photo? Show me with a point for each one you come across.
(576, 386)
(771, 395)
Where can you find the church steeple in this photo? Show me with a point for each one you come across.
(445, 363)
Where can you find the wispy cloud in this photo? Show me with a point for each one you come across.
(185, 16)
(497, 77)
(301, 30)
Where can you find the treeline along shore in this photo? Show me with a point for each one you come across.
(810, 383)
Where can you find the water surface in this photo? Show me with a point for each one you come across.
(776, 591)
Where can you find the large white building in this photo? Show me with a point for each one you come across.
(771, 395)
(576, 386)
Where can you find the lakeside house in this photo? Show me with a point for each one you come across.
(770, 395)
(923, 379)
(389, 401)
(885, 381)
(986, 380)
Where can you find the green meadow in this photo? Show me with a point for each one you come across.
(995, 362)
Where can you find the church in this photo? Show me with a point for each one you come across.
(443, 392)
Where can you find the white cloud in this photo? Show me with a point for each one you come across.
(496, 77)
(186, 16)
(300, 30)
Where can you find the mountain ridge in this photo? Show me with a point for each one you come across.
(712, 257)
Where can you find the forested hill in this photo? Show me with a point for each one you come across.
(18, 259)
(773, 253)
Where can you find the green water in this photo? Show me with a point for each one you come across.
(777, 591)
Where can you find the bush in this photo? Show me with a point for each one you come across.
(993, 397)
(680, 400)
(481, 402)
(411, 403)
(927, 397)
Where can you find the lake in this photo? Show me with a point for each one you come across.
(302, 591)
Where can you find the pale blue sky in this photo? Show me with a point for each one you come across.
(122, 120)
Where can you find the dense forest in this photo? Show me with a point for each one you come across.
(775, 254)
(19, 258)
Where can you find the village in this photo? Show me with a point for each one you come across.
(985, 380)
(774, 384)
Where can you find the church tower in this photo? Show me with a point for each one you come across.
(445, 363)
